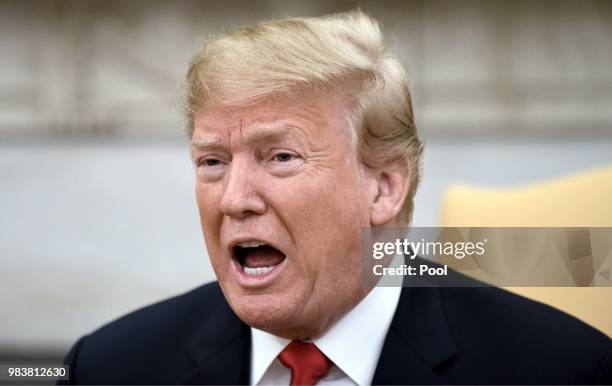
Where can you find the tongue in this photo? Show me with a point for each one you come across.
(265, 256)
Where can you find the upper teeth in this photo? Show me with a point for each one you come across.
(251, 244)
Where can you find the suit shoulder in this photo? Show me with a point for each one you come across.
(132, 349)
(470, 299)
(519, 310)
(496, 321)
(191, 306)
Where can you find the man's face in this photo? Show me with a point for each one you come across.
(282, 198)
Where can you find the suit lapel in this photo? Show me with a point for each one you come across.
(418, 340)
(220, 350)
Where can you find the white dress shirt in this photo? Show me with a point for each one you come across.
(354, 344)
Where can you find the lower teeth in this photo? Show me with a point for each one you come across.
(257, 271)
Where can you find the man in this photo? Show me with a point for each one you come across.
(302, 134)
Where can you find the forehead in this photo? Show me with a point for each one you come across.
(312, 113)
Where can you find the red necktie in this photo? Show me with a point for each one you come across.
(308, 365)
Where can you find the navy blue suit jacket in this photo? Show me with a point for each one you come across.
(478, 335)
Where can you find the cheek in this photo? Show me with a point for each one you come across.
(325, 218)
(210, 218)
(336, 201)
(207, 199)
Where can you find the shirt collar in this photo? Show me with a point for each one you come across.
(354, 343)
(265, 348)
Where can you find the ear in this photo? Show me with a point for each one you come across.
(393, 183)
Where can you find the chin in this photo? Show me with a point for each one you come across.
(267, 312)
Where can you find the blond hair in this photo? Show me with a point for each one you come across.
(343, 52)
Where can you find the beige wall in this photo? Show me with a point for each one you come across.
(113, 68)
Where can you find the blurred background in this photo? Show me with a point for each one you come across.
(97, 211)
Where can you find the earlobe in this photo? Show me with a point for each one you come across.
(393, 182)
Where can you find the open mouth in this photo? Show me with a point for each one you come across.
(257, 258)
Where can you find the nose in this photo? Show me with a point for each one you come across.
(240, 196)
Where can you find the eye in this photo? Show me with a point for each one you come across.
(283, 157)
(211, 162)
(283, 162)
(211, 169)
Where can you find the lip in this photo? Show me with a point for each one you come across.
(243, 239)
(254, 281)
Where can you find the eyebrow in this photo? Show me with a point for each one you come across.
(207, 143)
(259, 134)
(271, 133)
